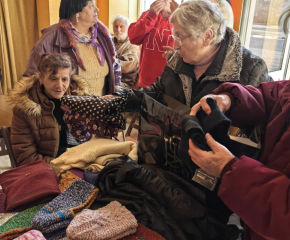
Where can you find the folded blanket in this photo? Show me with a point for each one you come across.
(111, 222)
(95, 154)
(53, 219)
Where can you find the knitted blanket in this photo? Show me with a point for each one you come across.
(95, 154)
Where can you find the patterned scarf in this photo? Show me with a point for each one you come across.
(82, 38)
(75, 37)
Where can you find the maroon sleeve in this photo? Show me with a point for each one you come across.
(250, 106)
(139, 29)
(260, 196)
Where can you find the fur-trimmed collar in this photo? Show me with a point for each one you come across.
(230, 63)
(21, 97)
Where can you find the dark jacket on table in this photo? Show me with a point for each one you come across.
(260, 195)
(54, 40)
(233, 63)
(173, 207)
(35, 130)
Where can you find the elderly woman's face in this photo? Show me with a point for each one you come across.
(55, 85)
(89, 14)
(191, 52)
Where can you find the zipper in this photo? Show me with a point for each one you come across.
(57, 132)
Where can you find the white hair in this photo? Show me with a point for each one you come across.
(196, 16)
(122, 18)
(284, 19)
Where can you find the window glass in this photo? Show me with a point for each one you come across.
(267, 40)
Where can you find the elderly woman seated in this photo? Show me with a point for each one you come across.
(38, 130)
(207, 54)
(87, 41)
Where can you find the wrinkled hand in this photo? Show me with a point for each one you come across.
(223, 102)
(157, 6)
(174, 5)
(211, 162)
(168, 51)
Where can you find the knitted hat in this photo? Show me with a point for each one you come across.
(111, 222)
(65, 178)
(53, 219)
(144, 233)
(18, 224)
(32, 234)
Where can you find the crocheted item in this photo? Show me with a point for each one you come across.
(65, 178)
(95, 154)
(111, 222)
(53, 218)
(91, 114)
(19, 224)
(31, 235)
(144, 233)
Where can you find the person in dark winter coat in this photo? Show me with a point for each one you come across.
(257, 191)
(204, 59)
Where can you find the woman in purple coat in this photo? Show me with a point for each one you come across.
(87, 41)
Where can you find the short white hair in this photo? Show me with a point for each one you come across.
(122, 18)
(196, 16)
(284, 19)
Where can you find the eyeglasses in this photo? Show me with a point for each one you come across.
(179, 40)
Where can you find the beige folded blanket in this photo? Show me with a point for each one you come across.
(95, 154)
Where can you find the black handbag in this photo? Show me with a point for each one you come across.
(160, 132)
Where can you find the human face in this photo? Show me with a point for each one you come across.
(191, 51)
(55, 85)
(120, 30)
(89, 14)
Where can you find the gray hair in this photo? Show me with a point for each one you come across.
(284, 19)
(196, 16)
(122, 18)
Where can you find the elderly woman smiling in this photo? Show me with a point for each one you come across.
(207, 54)
(86, 40)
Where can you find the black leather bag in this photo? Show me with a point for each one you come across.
(160, 132)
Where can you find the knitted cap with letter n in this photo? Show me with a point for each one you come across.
(53, 219)
(111, 222)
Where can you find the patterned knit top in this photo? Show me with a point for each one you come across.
(95, 74)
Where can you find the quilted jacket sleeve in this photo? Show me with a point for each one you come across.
(260, 196)
(250, 106)
(22, 141)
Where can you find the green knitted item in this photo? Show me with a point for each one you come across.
(21, 220)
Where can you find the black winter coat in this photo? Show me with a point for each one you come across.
(162, 201)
